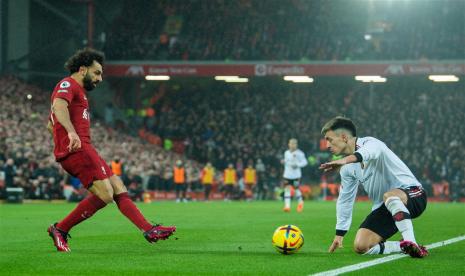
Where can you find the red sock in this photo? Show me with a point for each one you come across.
(129, 209)
(84, 210)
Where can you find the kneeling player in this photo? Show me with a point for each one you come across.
(397, 195)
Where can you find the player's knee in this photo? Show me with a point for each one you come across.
(103, 191)
(106, 197)
(387, 195)
(117, 185)
(361, 248)
(395, 193)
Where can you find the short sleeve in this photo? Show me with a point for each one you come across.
(371, 149)
(64, 90)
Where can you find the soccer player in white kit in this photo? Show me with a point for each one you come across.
(294, 161)
(397, 195)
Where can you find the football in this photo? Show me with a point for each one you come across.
(288, 239)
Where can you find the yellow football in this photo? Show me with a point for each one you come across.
(288, 239)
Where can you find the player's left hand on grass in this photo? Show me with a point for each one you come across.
(337, 243)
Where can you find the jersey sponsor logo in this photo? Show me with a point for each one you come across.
(65, 84)
(103, 170)
(62, 91)
(85, 114)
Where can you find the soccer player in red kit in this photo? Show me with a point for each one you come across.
(70, 125)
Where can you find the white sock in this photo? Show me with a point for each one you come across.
(401, 216)
(384, 248)
(287, 197)
(391, 247)
(298, 195)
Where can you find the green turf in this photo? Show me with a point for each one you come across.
(212, 238)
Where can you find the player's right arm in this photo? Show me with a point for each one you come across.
(344, 206)
(60, 109)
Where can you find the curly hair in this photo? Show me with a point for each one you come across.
(83, 57)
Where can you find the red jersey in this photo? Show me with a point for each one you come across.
(78, 107)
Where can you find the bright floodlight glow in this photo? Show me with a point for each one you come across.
(237, 80)
(443, 78)
(367, 37)
(370, 78)
(299, 79)
(29, 96)
(157, 77)
(223, 78)
(309, 80)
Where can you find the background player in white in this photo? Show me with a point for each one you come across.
(294, 161)
(396, 194)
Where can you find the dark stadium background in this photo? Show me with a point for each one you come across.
(193, 117)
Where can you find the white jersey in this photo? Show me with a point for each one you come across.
(382, 171)
(293, 163)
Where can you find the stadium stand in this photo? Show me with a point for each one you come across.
(239, 125)
(292, 30)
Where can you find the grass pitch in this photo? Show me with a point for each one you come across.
(212, 238)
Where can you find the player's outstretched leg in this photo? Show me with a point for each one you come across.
(60, 238)
(130, 210)
(159, 232)
(84, 210)
(152, 233)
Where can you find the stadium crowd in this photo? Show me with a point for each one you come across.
(291, 30)
(26, 147)
(243, 125)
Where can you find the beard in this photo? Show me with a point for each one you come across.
(88, 84)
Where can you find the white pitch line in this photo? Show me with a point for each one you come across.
(363, 265)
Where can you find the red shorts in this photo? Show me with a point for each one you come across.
(86, 165)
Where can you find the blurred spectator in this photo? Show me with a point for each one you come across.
(179, 179)
(229, 182)
(261, 179)
(250, 180)
(10, 173)
(207, 176)
(117, 166)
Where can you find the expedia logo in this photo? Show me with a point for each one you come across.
(260, 70)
